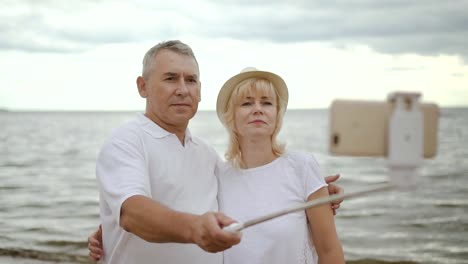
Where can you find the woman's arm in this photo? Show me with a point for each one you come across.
(323, 231)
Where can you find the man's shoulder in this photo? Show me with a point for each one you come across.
(128, 130)
(129, 125)
(122, 139)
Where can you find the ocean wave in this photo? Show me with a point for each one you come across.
(451, 203)
(11, 187)
(376, 261)
(362, 213)
(459, 220)
(79, 259)
(65, 243)
(43, 255)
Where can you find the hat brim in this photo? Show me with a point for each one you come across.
(226, 91)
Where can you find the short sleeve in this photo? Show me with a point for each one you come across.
(121, 173)
(308, 169)
(313, 177)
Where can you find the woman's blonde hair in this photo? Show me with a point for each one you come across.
(244, 88)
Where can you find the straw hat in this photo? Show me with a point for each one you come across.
(249, 72)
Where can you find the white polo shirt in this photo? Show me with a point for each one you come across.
(141, 158)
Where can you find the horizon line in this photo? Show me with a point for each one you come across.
(6, 110)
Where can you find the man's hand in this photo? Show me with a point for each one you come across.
(207, 232)
(95, 245)
(334, 189)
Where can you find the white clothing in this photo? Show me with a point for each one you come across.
(250, 193)
(141, 158)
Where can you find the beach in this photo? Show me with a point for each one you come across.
(49, 195)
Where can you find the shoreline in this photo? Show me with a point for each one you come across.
(83, 260)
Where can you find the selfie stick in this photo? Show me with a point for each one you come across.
(405, 155)
(236, 227)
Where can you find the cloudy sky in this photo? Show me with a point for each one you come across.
(86, 55)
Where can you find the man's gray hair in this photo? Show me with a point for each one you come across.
(176, 46)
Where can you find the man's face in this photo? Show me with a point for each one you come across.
(172, 90)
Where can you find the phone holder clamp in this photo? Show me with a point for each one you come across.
(406, 136)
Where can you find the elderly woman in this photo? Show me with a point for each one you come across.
(260, 177)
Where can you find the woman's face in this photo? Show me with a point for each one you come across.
(255, 115)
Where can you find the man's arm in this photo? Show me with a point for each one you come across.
(169, 230)
(124, 184)
(154, 222)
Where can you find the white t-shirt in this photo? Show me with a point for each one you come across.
(141, 158)
(250, 193)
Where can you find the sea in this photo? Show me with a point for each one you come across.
(49, 195)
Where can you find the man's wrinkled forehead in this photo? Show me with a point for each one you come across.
(173, 74)
(167, 61)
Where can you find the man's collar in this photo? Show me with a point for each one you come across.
(150, 127)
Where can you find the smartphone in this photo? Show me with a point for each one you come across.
(360, 128)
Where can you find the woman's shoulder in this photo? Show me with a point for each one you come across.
(305, 166)
(300, 156)
(225, 167)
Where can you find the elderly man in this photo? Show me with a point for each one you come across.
(157, 182)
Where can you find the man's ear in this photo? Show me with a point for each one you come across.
(199, 93)
(141, 84)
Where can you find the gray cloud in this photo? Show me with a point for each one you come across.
(54, 26)
(427, 27)
(421, 27)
